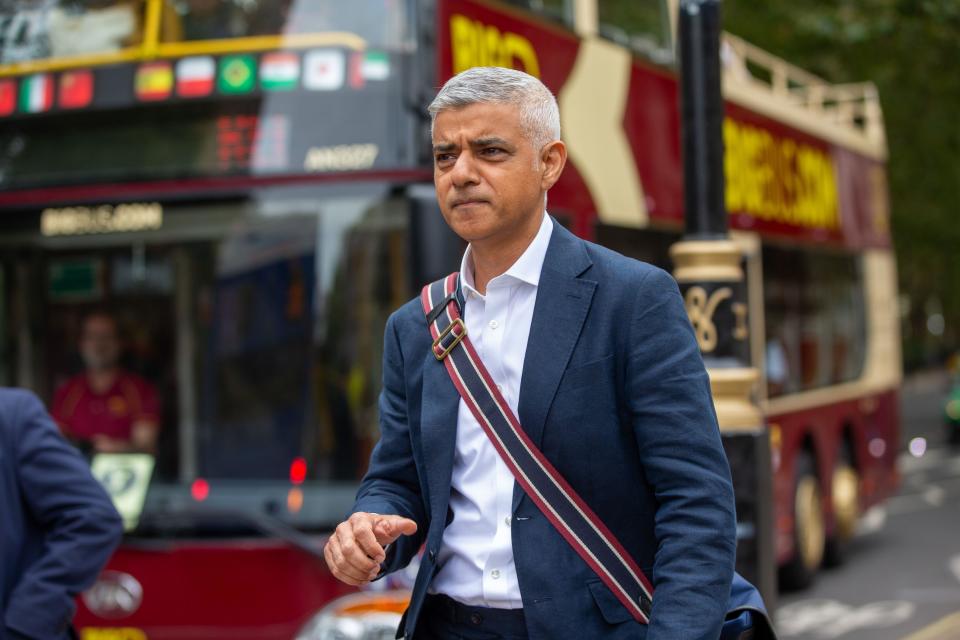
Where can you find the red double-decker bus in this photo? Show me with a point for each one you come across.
(246, 186)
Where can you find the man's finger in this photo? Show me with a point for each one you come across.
(342, 568)
(334, 569)
(351, 552)
(367, 541)
(389, 528)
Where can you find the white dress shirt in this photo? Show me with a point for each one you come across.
(476, 557)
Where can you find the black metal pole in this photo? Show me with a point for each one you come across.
(707, 265)
(701, 103)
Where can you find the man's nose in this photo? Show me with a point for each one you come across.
(464, 171)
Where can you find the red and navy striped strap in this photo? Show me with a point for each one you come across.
(565, 509)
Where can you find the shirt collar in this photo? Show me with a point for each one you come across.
(526, 269)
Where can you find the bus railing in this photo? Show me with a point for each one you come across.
(854, 106)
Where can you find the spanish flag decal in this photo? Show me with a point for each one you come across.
(154, 81)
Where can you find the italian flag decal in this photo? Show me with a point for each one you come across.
(36, 93)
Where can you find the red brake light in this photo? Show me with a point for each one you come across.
(298, 471)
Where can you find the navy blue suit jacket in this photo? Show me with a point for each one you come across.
(615, 394)
(57, 524)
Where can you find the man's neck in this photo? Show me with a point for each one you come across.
(493, 258)
(102, 379)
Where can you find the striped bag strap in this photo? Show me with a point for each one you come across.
(562, 506)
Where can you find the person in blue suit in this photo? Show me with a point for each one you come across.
(595, 355)
(58, 527)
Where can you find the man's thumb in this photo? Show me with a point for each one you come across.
(389, 528)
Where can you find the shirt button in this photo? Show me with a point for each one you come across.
(506, 521)
(495, 574)
(494, 324)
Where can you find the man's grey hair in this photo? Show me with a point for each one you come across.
(539, 114)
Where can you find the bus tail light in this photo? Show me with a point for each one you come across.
(359, 616)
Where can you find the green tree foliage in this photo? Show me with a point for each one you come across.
(911, 50)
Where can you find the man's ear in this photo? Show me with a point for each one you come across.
(553, 157)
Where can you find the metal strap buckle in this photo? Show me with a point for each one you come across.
(459, 331)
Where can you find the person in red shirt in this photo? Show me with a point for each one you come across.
(113, 410)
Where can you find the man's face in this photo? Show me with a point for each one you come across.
(99, 343)
(489, 178)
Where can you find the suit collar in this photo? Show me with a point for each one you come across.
(563, 301)
(566, 254)
(527, 267)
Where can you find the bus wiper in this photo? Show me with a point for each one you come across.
(261, 521)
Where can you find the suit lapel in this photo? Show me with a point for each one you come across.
(438, 431)
(563, 301)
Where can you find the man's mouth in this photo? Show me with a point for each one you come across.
(467, 201)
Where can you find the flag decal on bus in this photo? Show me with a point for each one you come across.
(8, 97)
(375, 66)
(154, 81)
(323, 70)
(36, 93)
(237, 74)
(76, 89)
(279, 71)
(195, 76)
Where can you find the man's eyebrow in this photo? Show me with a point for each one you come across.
(490, 141)
(444, 147)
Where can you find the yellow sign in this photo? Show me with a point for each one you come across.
(112, 633)
(474, 44)
(779, 179)
(74, 221)
(126, 477)
(342, 157)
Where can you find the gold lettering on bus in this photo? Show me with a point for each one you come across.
(474, 44)
(779, 179)
(700, 310)
(740, 330)
(105, 218)
(112, 633)
(343, 157)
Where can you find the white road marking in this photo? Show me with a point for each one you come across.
(934, 495)
(910, 464)
(827, 619)
(954, 566)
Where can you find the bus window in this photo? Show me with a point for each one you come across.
(816, 325)
(642, 25)
(40, 29)
(558, 10)
(290, 342)
(381, 23)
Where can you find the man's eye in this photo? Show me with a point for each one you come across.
(442, 158)
(492, 151)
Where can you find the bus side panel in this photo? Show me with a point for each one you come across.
(194, 590)
(873, 423)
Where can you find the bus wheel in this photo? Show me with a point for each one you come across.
(846, 508)
(808, 530)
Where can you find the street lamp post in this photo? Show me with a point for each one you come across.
(707, 266)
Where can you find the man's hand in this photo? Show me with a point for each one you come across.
(356, 549)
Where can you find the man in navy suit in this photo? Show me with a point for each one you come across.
(594, 353)
(57, 524)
